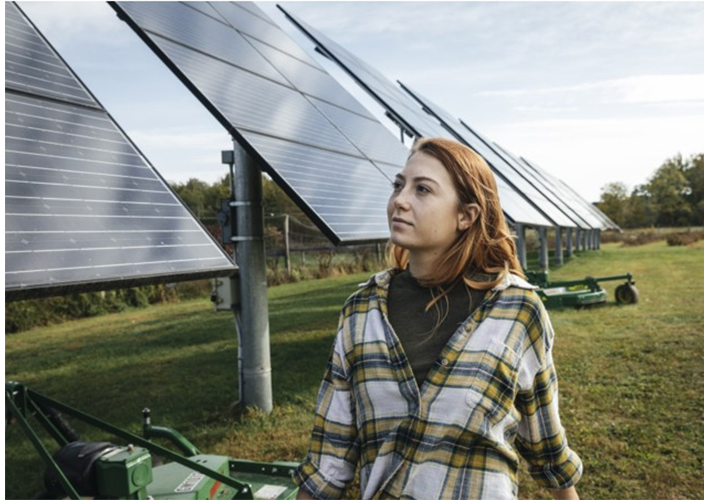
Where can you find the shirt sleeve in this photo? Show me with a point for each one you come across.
(334, 451)
(541, 438)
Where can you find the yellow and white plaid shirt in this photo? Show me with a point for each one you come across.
(492, 390)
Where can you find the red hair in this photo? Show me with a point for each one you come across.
(487, 245)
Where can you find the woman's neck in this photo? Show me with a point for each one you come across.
(422, 264)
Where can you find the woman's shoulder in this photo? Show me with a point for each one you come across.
(367, 292)
(516, 292)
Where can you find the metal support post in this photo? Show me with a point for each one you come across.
(598, 244)
(568, 243)
(542, 233)
(577, 238)
(287, 245)
(520, 245)
(253, 307)
(588, 239)
(559, 258)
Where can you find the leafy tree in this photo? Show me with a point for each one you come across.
(204, 200)
(193, 194)
(669, 191)
(694, 173)
(614, 201)
(277, 202)
(639, 211)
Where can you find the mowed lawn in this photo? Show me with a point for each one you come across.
(631, 377)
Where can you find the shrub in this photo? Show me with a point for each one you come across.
(684, 239)
(26, 314)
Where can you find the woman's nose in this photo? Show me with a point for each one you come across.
(400, 201)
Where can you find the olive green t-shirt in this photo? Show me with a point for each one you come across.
(416, 329)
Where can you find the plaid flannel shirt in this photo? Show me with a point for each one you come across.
(492, 390)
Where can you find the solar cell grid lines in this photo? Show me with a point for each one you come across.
(31, 66)
(414, 119)
(83, 209)
(405, 112)
(310, 135)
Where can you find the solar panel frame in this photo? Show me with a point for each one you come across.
(407, 116)
(245, 135)
(41, 115)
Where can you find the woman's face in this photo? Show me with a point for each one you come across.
(423, 211)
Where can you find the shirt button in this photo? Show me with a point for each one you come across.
(444, 362)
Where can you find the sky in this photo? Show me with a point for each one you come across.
(594, 92)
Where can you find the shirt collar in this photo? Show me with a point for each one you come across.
(383, 279)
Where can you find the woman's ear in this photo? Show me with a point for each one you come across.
(468, 215)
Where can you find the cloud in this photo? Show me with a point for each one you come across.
(634, 89)
(587, 154)
(77, 22)
(181, 153)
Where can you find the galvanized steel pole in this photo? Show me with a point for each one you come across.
(559, 259)
(542, 259)
(520, 245)
(568, 243)
(251, 259)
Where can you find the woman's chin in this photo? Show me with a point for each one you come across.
(400, 242)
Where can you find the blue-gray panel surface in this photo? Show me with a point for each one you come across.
(411, 117)
(83, 209)
(32, 66)
(310, 135)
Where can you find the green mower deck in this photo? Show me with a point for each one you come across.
(104, 470)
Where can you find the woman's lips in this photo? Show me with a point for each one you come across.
(401, 222)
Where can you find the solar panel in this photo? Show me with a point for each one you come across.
(83, 209)
(303, 128)
(408, 115)
(498, 163)
(576, 211)
(592, 212)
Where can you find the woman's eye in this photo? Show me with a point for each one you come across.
(422, 189)
(396, 185)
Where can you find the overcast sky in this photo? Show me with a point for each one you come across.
(595, 92)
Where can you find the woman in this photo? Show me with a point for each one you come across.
(442, 366)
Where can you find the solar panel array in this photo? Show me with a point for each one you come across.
(412, 118)
(83, 209)
(575, 203)
(537, 194)
(590, 211)
(310, 135)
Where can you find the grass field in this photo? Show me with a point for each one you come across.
(631, 377)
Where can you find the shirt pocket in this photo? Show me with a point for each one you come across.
(491, 394)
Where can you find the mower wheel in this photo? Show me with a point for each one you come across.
(626, 294)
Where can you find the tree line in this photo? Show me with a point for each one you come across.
(672, 197)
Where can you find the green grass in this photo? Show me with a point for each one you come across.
(631, 377)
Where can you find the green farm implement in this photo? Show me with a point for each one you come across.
(134, 470)
(581, 292)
